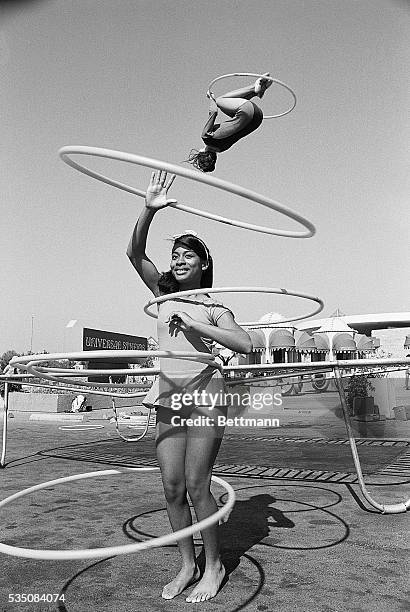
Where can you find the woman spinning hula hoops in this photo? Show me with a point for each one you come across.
(186, 452)
(246, 118)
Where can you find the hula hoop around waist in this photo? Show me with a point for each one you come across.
(30, 364)
(171, 296)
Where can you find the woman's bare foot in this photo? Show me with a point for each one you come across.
(209, 584)
(184, 579)
(261, 85)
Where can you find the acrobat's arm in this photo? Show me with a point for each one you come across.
(209, 125)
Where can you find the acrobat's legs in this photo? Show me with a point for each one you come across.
(232, 100)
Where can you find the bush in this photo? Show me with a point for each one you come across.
(359, 385)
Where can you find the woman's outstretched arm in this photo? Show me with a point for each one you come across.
(155, 199)
(136, 251)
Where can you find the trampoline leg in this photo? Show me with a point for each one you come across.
(384, 508)
(5, 415)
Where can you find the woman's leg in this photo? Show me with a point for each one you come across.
(201, 451)
(171, 448)
(232, 100)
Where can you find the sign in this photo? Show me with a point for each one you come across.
(99, 340)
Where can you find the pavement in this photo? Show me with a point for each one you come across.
(301, 537)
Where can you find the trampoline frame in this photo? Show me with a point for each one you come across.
(332, 366)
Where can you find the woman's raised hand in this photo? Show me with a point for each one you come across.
(156, 195)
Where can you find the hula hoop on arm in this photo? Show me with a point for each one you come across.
(92, 553)
(200, 177)
(170, 296)
(255, 74)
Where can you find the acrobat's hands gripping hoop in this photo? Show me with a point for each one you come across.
(92, 553)
(268, 78)
(66, 152)
(190, 292)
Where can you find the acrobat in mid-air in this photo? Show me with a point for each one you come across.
(246, 117)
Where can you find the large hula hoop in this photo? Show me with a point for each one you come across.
(29, 364)
(92, 553)
(107, 355)
(178, 294)
(83, 427)
(83, 386)
(200, 177)
(254, 74)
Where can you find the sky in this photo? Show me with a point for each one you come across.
(132, 75)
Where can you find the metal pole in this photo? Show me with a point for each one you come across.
(6, 406)
(384, 508)
(32, 332)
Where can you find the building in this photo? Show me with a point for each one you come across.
(336, 337)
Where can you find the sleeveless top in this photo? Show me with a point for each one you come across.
(184, 376)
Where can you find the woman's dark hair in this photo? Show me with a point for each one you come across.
(202, 160)
(167, 283)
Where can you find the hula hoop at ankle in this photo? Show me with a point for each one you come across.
(254, 74)
(92, 553)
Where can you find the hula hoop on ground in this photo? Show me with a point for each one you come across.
(255, 74)
(92, 553)
(171, 296)
(310, 230)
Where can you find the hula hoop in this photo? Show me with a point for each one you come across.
(80, 387)
(178, 294)
(29, 364)
(80, 427)
(24, 360)
(310, 230)
(92, 553)
(254, 74)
